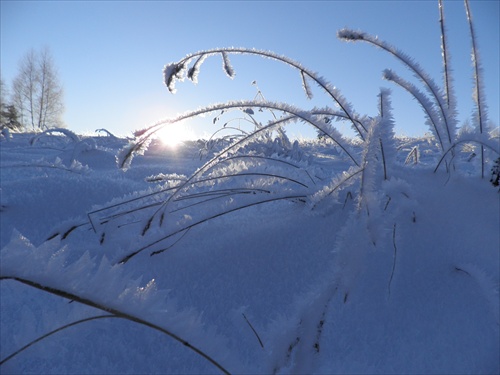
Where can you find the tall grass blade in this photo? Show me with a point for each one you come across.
(481, 115)
(434, 90)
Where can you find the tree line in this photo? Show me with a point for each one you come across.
(35, 99)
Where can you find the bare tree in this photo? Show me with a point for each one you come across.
(36, 92)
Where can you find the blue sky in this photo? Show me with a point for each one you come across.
(110, 55)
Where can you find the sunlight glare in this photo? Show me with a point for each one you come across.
(173, 135)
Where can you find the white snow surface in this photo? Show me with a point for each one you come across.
(411, 288)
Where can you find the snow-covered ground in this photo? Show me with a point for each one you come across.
(281, 287)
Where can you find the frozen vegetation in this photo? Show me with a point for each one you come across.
(250, 253)
(412, 287)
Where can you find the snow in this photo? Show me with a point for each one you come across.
(410, 287)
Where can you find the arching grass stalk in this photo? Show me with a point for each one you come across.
(210, 194)
(434, 90)
(274, 199)
(93, 213)
(107, 132)
(48, 334)
(294, 114)
(183, 234)
(224, 141)
(482, 144)
(179, 71)
(271, 159)
(337, 184)
(192, 196)
(432, 116)
(117, 313)
(255, 174)
(217, 195)
(193, 199)
(326, 112)
(164, 205)
(68, 133)
(207, 196)
(229, 128)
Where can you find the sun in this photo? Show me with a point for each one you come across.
(173, 135)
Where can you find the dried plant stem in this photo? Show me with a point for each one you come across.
(19, 351)
(415, 68)
(395, 256)
(421, 99)
(293, 114)
(447, 82)
(346, 178)
(305, 73)
(115, 312)
(253, 329)
(175, 243)
(274, 199)
(268, 158)
(484, 145)
(477, 77)
(383, 158)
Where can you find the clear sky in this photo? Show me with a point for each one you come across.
(110, 54)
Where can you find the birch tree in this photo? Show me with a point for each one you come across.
(36, 92)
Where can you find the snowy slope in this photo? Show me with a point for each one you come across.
(274, 288)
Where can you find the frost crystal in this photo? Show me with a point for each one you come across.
(227, 65)
(173, 72)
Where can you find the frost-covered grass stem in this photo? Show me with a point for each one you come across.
(432, 116)
(293, 114)
(355, 36)
(481, 116)
(176, 71)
